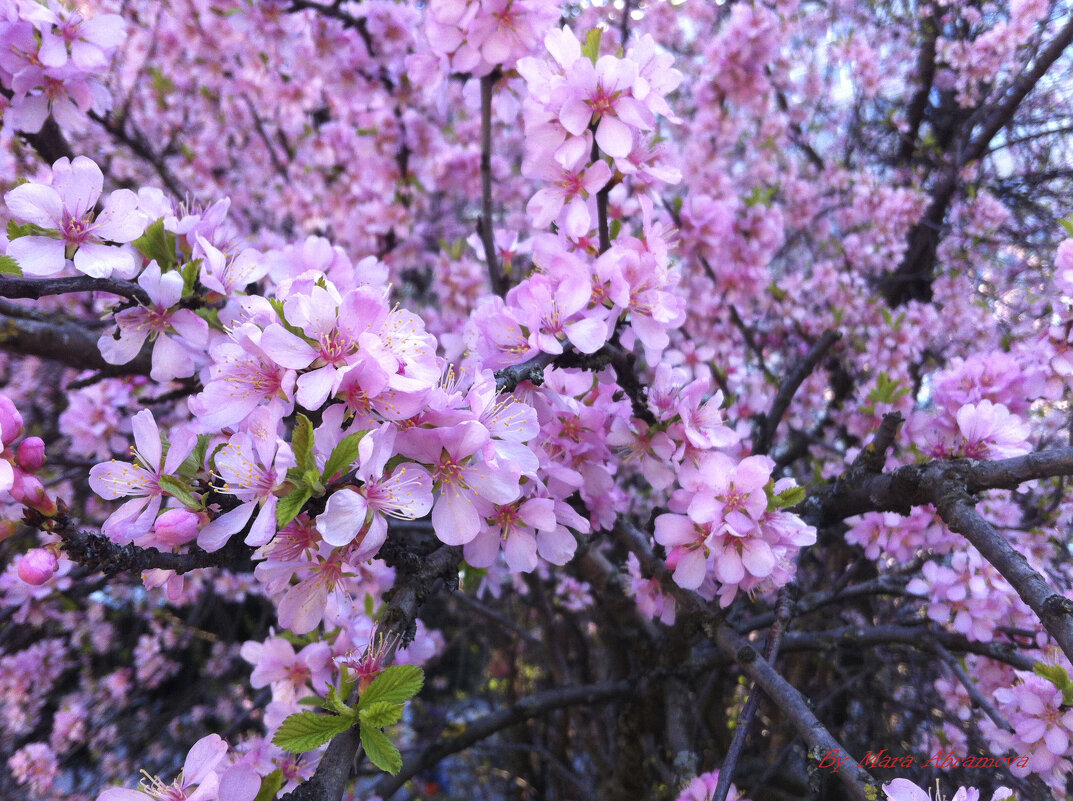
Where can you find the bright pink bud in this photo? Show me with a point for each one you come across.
(37, 566)
(10, 420)
(29, 491)
(31, 454)
(177, 526)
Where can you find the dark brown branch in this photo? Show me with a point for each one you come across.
(50, 143)
(949, 486)
(508, 378)
(788, 388)
(856, 781)
(140, 146)
(789, 701)
(97, 552)
(35, 288)
(913, 278)
(971, 688)
(921, 637)
(519, 712)
(915, 485)
(61, 340)
(783, 612)
(1054, 610)
(496, 275)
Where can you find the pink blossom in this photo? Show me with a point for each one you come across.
(37, 566)
(254, 468)
(140, 478)
(172, 357)
(198, 780)
(67, 207)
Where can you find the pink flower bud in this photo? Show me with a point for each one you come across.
(10, 420)
(37, 566)
(177, 526)
(29, 491)
(31, 454)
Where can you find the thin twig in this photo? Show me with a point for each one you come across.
(971, 688)
(484, 223)
(788, 388)
(783, 611)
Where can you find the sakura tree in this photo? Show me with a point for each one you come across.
(529, 399)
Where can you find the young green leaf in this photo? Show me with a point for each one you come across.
(290, 505)
(16, 230)
(8, 266)
(343, 455)
(396, 685)
(786, 498)
(305, 731)
(270, 786)
(335, 703)
(380, 750)
(157, 245)
(591, 48)
(302, 443)
(178, 489)
(380, 714)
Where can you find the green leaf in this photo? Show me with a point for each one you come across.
(289, 506)
(1068, 225)
(396, 685)
(270, 786)
(305, 731)
(302, 443)
(178, 489)
(157, 245)
(8, 266)
(380, 714)
(787, 498)
(1056, 675)
(190, 271)
(591, 48)
(343, 455)
(313, 700)
(380, 750)
(192, 464)
(336, 704)
(16, 231)
(614, 229)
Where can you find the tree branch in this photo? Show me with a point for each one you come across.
(496, 275)
(97, 552)
(519, 712)
(788, 388)
(35, 288)
(61, 340)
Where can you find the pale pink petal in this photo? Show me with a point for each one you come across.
(37, 204)
(519, 549)
(614, 137)
(100, 261)
(38, 255)
(539, 513)
(216, 534)
(482, 550)
(285, 349)
(342, 518)
(454, 518)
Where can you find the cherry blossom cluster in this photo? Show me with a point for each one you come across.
(580, 103)
(476, 36)
(54, 61)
